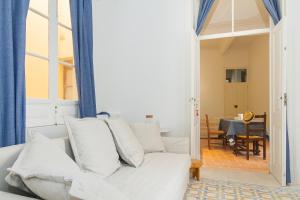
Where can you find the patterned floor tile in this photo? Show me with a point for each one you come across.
(207, 189)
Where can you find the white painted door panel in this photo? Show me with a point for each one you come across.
(230, 100)
(277, 104)
(242, 97)
(235, 99)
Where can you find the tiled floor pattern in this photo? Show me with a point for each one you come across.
(218, 157)
(222, 190)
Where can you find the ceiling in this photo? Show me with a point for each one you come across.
(235, 42)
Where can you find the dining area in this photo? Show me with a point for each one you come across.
(236, 142)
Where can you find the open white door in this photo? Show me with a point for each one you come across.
(194, 77)
(195, 99)
(278, 102)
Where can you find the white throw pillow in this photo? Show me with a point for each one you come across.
(43, 168)
(148, 135)
(93, 145)
(129, 148)
(51, 174)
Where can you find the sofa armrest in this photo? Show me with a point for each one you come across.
(179, 145)
(10, 196)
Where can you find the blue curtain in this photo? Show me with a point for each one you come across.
(82, 26)
(12, 71)
(274, 10)
(204, 8)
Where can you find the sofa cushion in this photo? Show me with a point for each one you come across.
(10, 196)
(162, 176)
(148, 135)
(8, 155)
(51, 174)
(43, 167)
(129, 148)
(93, 145)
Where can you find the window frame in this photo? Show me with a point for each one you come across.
(52, 59)
(50, 111)
(233, 32)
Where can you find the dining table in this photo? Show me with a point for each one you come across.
(232, 127)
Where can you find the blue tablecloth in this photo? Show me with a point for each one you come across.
(234, 127)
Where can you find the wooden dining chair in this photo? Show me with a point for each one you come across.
(255, 133)
(219, 134)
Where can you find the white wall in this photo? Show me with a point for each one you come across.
(293, 85)
(141, 59)
(258, 75)
(212, 83)
(212, 76)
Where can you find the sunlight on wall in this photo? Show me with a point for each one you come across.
(40, 5)
(36, 78)
(36, 68)
(67, 82)
(65, 44)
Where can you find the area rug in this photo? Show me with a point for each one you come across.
(223, 190)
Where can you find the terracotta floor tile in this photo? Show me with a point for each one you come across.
(217, 157)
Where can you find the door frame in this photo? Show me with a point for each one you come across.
(195, 56)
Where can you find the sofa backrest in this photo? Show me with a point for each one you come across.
(8, 156)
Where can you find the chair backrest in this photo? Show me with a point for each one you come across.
(207, 123)
(257, 127)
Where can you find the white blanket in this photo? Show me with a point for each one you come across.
(162, 176)
(89, 186)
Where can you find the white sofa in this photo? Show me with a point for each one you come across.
(162, 176)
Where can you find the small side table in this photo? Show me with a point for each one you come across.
(195, 169)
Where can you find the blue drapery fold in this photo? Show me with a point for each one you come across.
(12, 71)
(82, 28)
(204, 8)
(274, 10)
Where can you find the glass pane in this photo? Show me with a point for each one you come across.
(37, 34)
(250, 14)
(236, 75)
(219, 19)
(65, 45)
(64, 12)
(36, 71)
(67, 88)
(40, 6)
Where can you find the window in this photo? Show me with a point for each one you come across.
(50, 71)
(230, 16)
(49, 66)
(66, 80)
(236, 75)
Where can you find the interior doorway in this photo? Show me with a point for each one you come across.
(234, 78)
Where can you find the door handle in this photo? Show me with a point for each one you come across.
(235, 106)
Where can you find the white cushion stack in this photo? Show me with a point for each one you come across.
(93, 145)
